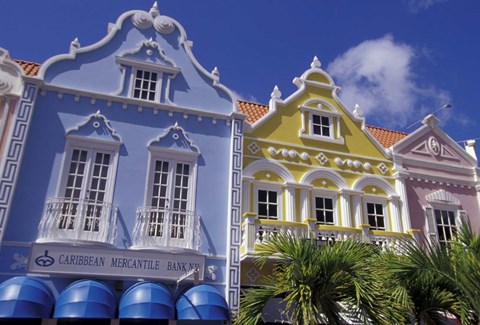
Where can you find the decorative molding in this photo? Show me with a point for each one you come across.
(20, 262)
(253, 147)
(434, 146)
(322, 158)
(442, 196)
(252, 274)
(179, 137)
(352, 163)
(288, 153)
(301, 163)
(235, 218)
(267, 164)
(10, 75)
(210, 272)
(14, 154)
(326, 173)
(97, 121)
(382, 168)
(279, 143)
(377, 181)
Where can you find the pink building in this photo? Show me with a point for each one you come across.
(439, 181)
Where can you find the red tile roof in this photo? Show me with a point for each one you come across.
(254, 111)
(386, 137)
(30, 68)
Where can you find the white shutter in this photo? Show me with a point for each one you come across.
(431, 224)
(461, 218)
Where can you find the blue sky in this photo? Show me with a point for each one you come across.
(398, 59)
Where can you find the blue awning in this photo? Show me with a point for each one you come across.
(202, 302)
(25, 297)
(85, 299)
(147, 300)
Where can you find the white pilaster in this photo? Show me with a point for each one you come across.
(290, 202)
(246, 194)
(357, 209)
(394, 202)
(305, 203)
(400, 179)
(345, 208)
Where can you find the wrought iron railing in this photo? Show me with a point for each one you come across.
(158, 228)
(74, 220)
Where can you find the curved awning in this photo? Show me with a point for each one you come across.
(202, 302)
(85, 299)
(25, 297)
(147, 300)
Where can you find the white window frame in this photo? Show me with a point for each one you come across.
(173, 157)
(273, 188)
(449, 207)
(328, 195)
(90, 145)
(158, 85)
(334, 125)
(135, 65)
(377, 200)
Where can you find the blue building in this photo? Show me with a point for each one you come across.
(121, 183)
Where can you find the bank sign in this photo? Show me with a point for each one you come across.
(121, 263)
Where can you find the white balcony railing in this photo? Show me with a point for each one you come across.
(257, 231)
(78, 220)
(166, 229)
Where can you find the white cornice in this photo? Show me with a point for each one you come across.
(316, 149)
(424, 129)
(314, 166)
(440, 180)
(147, 65)
(438, 166)
(136, 102)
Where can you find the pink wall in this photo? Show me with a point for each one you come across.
(417, 190)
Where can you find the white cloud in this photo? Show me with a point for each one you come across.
(419, 5)
(377, 74)
(245, 97)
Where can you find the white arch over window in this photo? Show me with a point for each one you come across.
(392, 202)
(267, 164)
(314, 174)
(376, 181)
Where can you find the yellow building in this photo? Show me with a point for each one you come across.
(311, 167)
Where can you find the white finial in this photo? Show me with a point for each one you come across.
(276, 93)
(357, 112)
(154, 12)
(75, 44)
(216, 74)
(315, 63)
(97, 113)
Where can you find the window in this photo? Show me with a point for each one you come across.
(376, 217)
(170, 198)
(321, 121)
(145, 85)
(267, 204)
(446, 226)
(321, 125)
(324, 211)
(85, 188)
(147, 80)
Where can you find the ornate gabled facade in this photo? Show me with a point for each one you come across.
(312, 167)
(441, 180)
(127, 169)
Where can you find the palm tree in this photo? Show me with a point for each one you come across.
(322, 283)
(423, 280)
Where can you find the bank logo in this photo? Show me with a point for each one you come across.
(44, 260)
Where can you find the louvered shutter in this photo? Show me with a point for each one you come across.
(431, 225)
